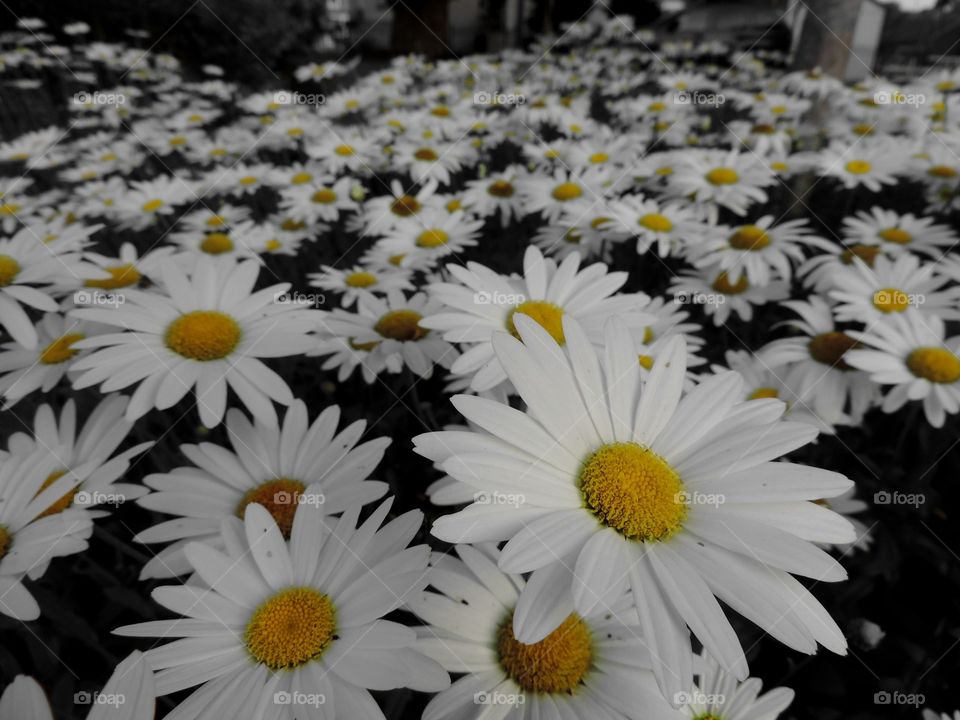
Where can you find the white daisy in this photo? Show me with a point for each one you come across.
(897, 233)
(432, 236)
(718, 695)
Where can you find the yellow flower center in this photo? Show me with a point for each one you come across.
(279, 497)
(292, 225)
(599, 157)
(764, 392)
(546, 314)
(656, 222)
(203, 335)
(935, 364)
(152, 205)
(300, 178)
(365, 346)
(440, 111)
(431, 238)
(59, 350)
(216, 221)
(248, 180)
(453, 205)
(867, 253)
(763, 129)
(778, 109)
(779, 166)
(178, 140)
(829, 348)
(405, 206)
(361, 279)
(9, 269)
(121, 276)
(942, 171)
(572, 236)
(889, 300)
(556, 664)
(61, 504)
(324, 196)
(862, 129)
(656, 106)
(344, 150)
(567, 191)
(402, 325)
(291, 628)
(272, 245)
(896, 235)
(501, 188)
(216, 243)
(6, 540)
(633, 490)
(426, 155)
(858, 167)
(9, 209)
(723, 285)
(749, 237)
(646, 362)
(722, 176)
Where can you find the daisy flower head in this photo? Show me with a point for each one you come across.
(389, 330)
(206, 329)
(359, 280)
(668, 226)
(278, 628)
(896, 232)
(718, 178)
(434, 235)
(871, 165)
(865, 293)
(497, 193)
(316, 201)
(717, 694)
(592, 665)
(912, 354)
(128, 268)
(385, 212)
(147, 200)
(272, 466)
(548, 194)
(814, 365)
(633, 484)
(482, 303)
(761, 251)
(720, 297)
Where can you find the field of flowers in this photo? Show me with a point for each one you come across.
(612, 378)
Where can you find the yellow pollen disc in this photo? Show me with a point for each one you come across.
(763, 129)
(501, 188)
(547, 315)
(646, 362)
(599, 222)
(108, 157)
(360, 279)
(779, 166)
(426, 154)
(749, 237)
(9, 269)
(551, 154)
(723, 285)
(279, 497)
(934, 364)
(291, 628)
(647, 335)
(633, 490)
(556, 664)
(656, 107)
(945, 86)
(292, 225)
(121, 276)
(203, 335)
(778, 109)
(396, 260)
(567, 191)
(61, 504)
(216, 221)
(599, 158)
(324, 196)
(453, 205)
(862, 129)
(440, 111)
(218, 152)
(858, 167)
(830, 347)
(59, 350)
(942, 171)
(272, 245)
(402, 325)
(6, 540)
(896, 235)
(196, 117)
(764, 392)
(867, 253)
(365, 346)
(889, 300)
(405, 206)
(656, 222)
(152, 205)
(663, 171)
(295, 132)
(344, 150)
(216, 243)
(178, 140)
(248, 180)
(300, 178)
(722, 176)
(432, 238)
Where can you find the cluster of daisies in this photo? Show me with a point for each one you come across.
(551, 234)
